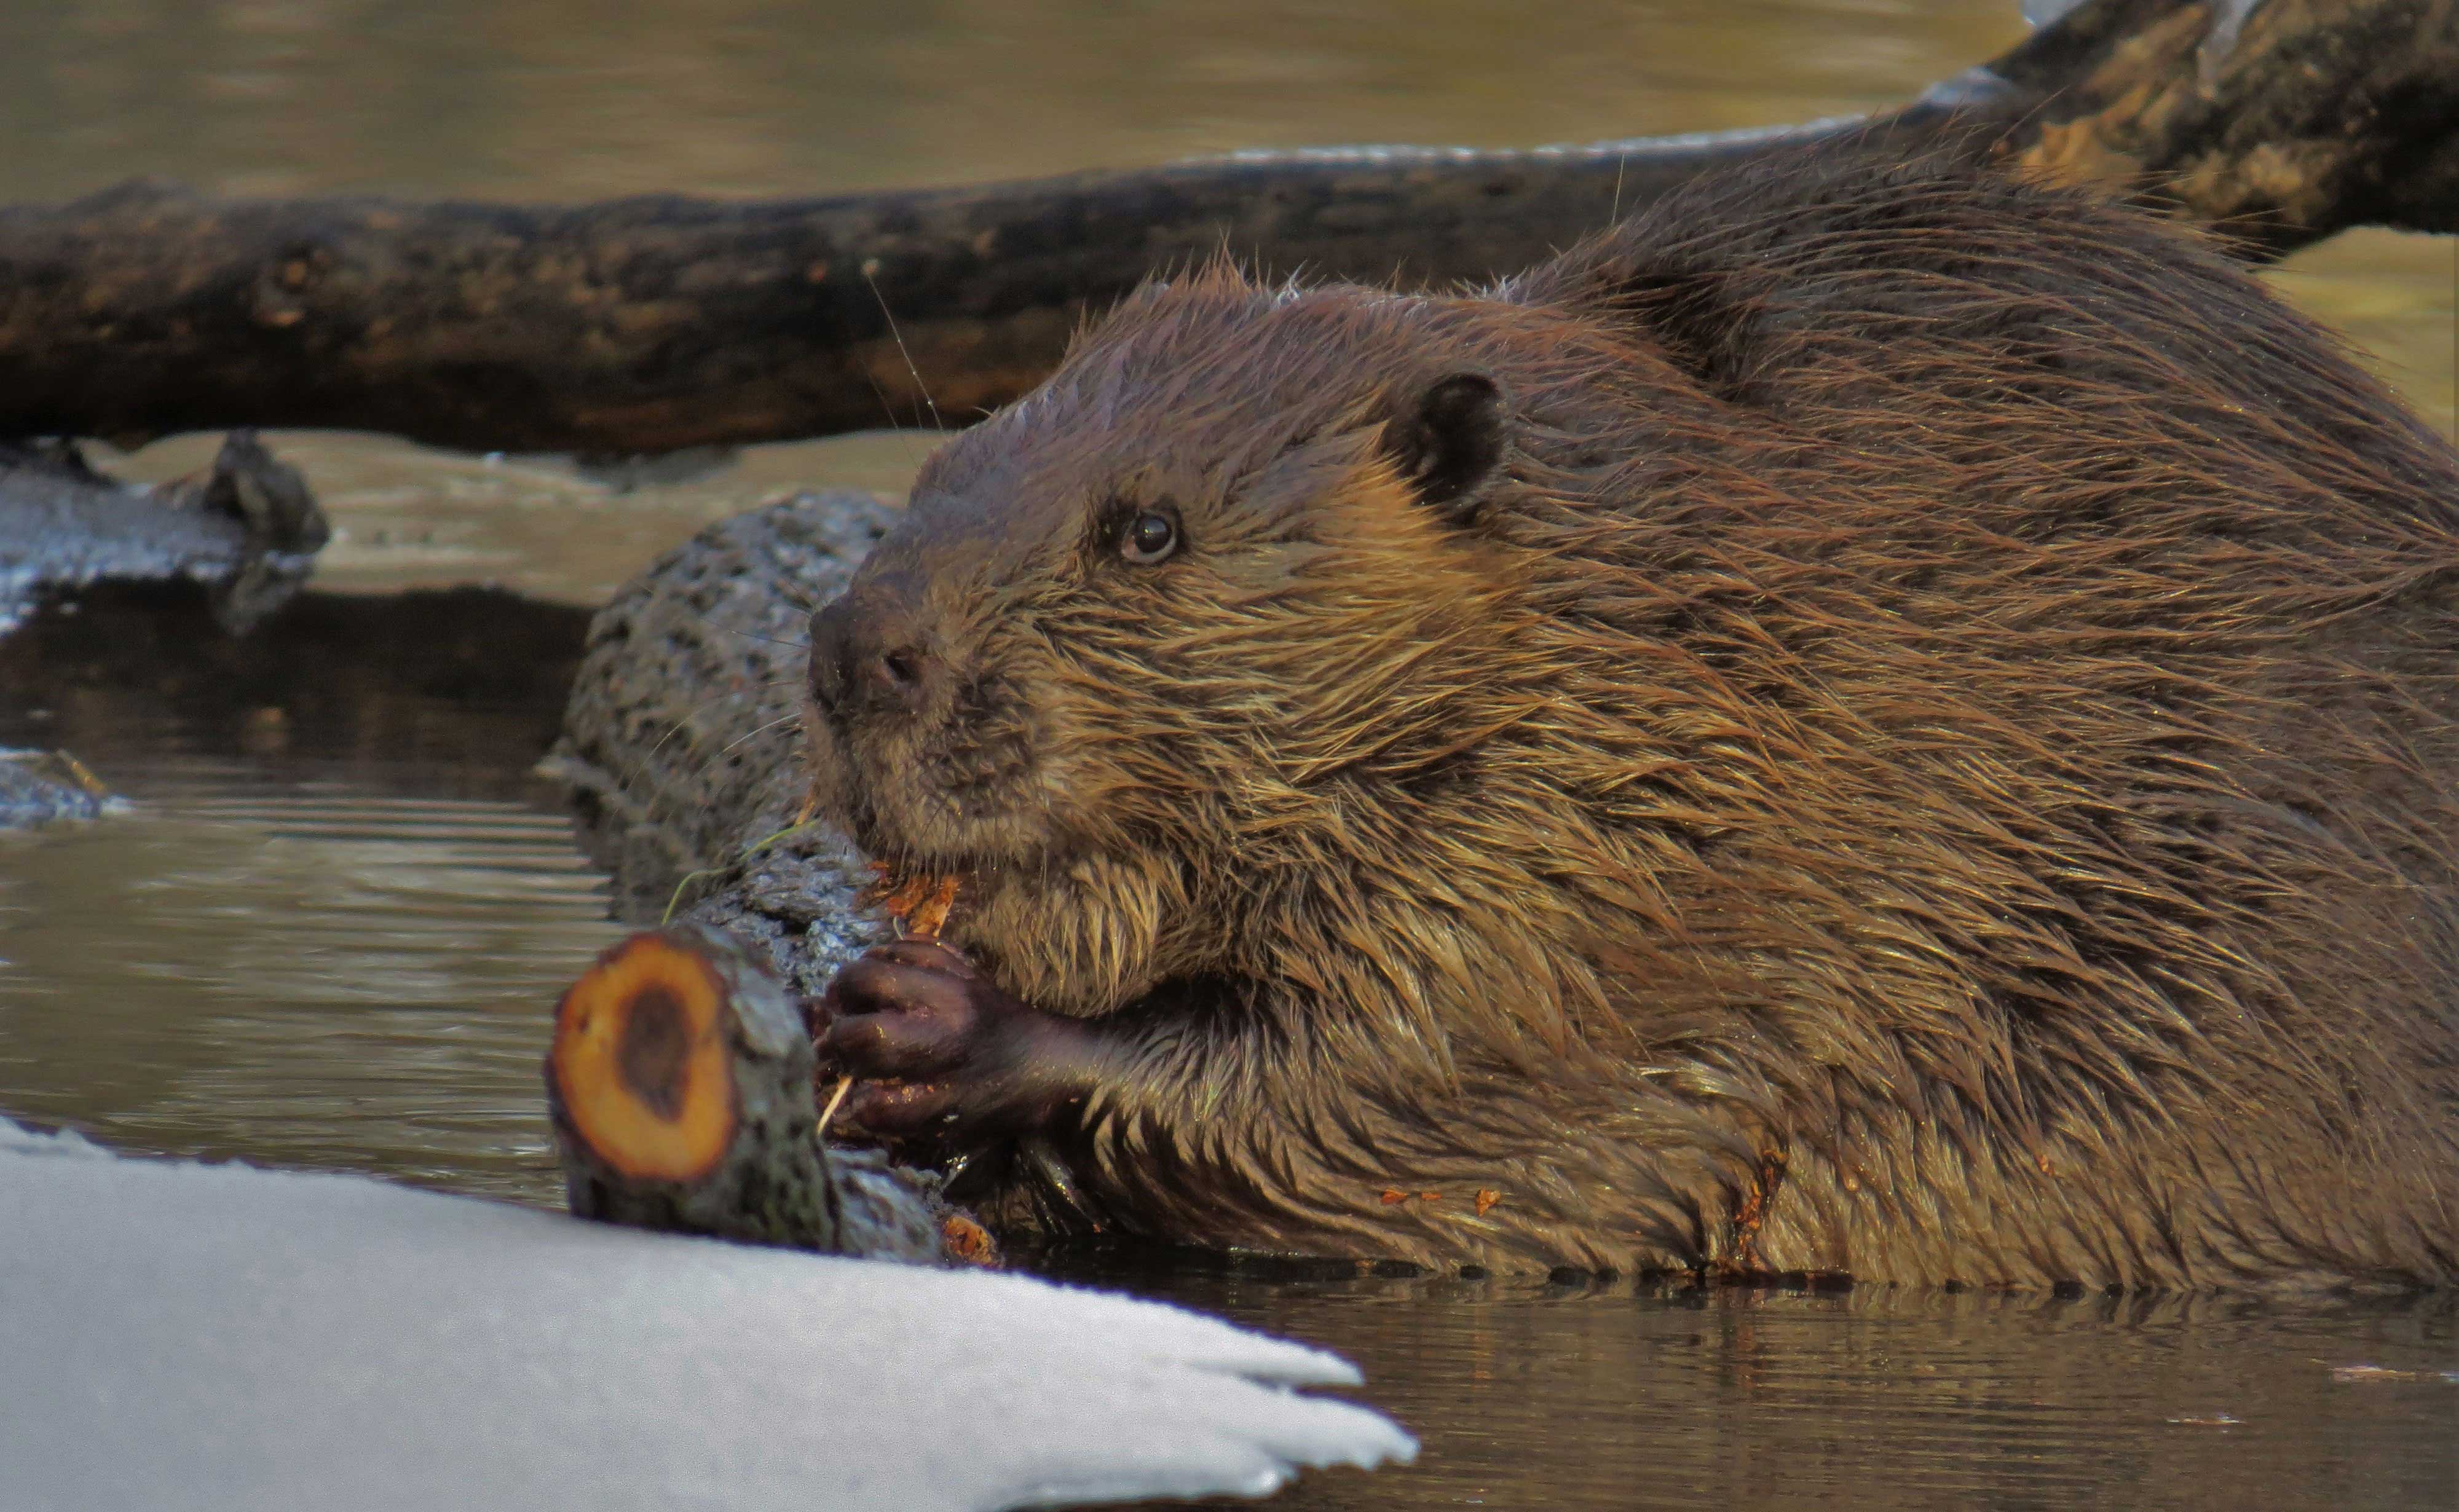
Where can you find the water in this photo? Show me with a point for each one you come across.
(304, 961)
(1572, 1397)
(329, 932)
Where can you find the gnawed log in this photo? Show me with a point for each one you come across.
(680, 1084)
(655, 325)
(681, 743)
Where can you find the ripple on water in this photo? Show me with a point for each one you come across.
(304, 973)
(1624, 1397)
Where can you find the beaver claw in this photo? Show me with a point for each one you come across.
(938, 1052)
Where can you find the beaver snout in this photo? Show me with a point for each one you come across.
(868, 652)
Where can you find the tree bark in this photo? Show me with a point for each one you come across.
(655, 325)
(2278, 129)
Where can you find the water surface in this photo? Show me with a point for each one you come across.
(1732, 1398)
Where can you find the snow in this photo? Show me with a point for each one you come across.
(178, 1335)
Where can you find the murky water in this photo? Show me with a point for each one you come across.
(1556, 1397)
(293, 952)
(329, 936)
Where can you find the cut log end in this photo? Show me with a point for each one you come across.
(640, 1062)
(679, 1080)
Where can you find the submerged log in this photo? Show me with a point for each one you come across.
(681, 747)
(247, 529)
(44, 787)
(680, 1084)
(655, 325)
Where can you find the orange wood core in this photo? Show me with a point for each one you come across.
(639, 1060)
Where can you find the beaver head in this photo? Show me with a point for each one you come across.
(1138, 635)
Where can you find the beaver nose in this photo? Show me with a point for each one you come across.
(867, 653)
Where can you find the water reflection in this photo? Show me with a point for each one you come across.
(329, 930)
(303, 974)
(411, 516)
(1877, 1399)
(560, 100)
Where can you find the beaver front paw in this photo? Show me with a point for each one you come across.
(938, 1053)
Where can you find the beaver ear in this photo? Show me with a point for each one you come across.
(1447, 440)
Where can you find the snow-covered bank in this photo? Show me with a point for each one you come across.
(176, 1336)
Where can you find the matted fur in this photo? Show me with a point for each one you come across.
(1933, 759)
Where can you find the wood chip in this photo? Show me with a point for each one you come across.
(968, 1242)
(917, 906)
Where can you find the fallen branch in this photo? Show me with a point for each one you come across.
(39, 787)
(655, 325)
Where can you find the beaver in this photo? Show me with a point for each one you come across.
(1875, 720)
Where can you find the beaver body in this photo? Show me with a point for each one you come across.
(1873, 720)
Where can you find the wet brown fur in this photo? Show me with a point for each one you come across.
(1934, 758)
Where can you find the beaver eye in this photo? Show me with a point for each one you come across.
(1150, 538)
